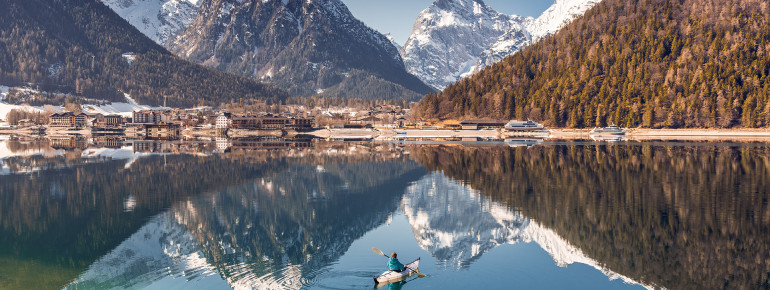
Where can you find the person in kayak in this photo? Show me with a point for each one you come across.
(394, 264)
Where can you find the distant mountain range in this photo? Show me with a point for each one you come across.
(652, 64)
(84, 48)
(453, 39)
(319, 48)
(309, 48)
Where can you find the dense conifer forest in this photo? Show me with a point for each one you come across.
(83, 47)
(636, 63)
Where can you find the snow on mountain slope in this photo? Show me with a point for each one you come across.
(508, 43)
(561, 13)
(457, 225)
(448, 37)
(440, 52)
(160, 20)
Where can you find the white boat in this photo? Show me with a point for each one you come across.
(528, 125)
(611, 130)
(395, 276)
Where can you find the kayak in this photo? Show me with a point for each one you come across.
(393, 276)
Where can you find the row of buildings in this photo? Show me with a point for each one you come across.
(168, 124)
(82, 120)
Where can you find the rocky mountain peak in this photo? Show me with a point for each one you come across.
(448, 37)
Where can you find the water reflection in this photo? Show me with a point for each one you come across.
(693, 216)
(278, 231)
(457, 225)
(270, 213)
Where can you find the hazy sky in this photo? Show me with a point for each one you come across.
(397, 16)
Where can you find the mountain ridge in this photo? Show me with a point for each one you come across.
(84, 48)
(306, 47)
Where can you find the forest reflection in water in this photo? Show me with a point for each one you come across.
(674, 216)
(661, 214)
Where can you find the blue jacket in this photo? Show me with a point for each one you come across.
(395, 265)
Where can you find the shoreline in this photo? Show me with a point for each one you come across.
(567, 134)
(395, 134)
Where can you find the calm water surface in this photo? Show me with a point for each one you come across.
(306, 214)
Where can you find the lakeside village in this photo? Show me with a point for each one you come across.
(385, 122)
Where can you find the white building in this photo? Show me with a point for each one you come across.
(224, 120)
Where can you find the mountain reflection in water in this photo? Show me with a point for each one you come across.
(219, 215)
(457, 225)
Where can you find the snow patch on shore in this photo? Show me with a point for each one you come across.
(3, 92)
(6, 108)
(124, 109)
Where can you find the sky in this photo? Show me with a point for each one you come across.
(397, 16)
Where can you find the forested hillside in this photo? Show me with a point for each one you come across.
(81, 46)
(648, 63)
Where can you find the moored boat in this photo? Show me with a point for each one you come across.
(394, 276)
(528, 125)
(610, 130)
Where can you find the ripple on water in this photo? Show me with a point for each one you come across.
(258, 276)
(261, 276)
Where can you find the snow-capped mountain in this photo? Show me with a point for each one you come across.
(457, 225)
(448, 37)
(160, 20)
(443, 47)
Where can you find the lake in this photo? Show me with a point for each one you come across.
(305, 214)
